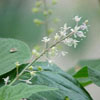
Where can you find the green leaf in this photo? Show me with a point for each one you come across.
(88, 74)
(93, 69)
(81, 75)
(54, 77)
(12, 51)
(21, 90)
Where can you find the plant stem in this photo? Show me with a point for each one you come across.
(46, 25)
(46, 17)
(44, 52)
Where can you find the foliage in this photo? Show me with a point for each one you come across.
(21, 90)
(88, 74)
(23, 76)
(12, 51)
(49, 75)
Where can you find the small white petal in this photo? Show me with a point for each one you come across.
(84, 27)
(28, 81)
(76, 28)
(75, 42)
(62, 33)
(6, 80)
(56, 37)
(50, 61)
(46, 39)
(68, 41)
(80, 34)
(63, 53)
(77, 18)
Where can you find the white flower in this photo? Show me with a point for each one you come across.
(35, 52)
(84, 27)
(46, 39)
(63, 53)
(17, 64)
(68, 41)
(28, 81)
(80, 34)
(75, 42)
(50, 61)
(77, 18)
(6, 80)
(66, 27)
(76, 28)
(32, 73)
(63, 33)
(53, 51)
(56, 37)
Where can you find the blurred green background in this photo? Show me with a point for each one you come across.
(16, 21)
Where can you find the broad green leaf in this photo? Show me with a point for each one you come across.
(21, 90)
(54, 77)
(89, 74)
(93, 69)
(94, 75)
(12, 51)
(81, 75)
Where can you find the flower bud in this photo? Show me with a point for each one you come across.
(56, 20)
(30, 68)
(50, 30)
(33, 73)
(45, 13)
(66, 98)
(37, 21)
(56, 37)
(38, 3)
(34, 52)
(49, 11)
(86, 21)
(17, 64)
(54, 2)
(35, 10)
(40, 68)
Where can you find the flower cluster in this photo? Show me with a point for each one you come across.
(78, 31)
(63, 37)
(67, 35)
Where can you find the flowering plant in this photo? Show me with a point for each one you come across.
(24, 77)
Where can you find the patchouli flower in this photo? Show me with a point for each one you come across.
(63, 53)
(80, 34)
(28, 81)
(70, 42)
(63, 33)
(53, 51)
(6, 80)
(46, 39)
(77, 18)
(56, 37)
(35, 52)
(75, 42)
(84, 27)
(76, 28)
(50, 61)
(66, 27)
